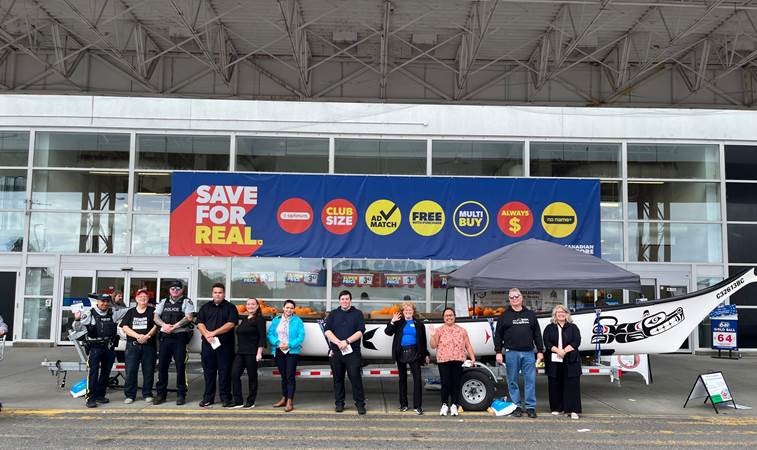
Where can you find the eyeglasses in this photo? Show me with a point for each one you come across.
(175, 288)
(513, 297)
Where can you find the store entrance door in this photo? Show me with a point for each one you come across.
(8, 300)
(78, 284)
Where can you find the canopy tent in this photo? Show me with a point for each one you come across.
(537, 264)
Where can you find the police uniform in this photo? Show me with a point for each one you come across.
(173, 345)
(101, 339)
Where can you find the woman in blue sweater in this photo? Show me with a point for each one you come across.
(286, 334)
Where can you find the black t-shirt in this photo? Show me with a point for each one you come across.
(141, 323)
(215, 316)
(250, 335)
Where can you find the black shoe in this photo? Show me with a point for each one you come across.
(158, 400)
(418, 411)
(403, 408)
(248, 405)
(91, 403)
(531, 413)
(181, 400)
(230, 404)
(517, 413)
(361, 410)
(205, 404)
(102, 400)
(339, 408)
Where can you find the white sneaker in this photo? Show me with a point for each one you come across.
(574, 416)
(128, 400)
(444, 410)
(453, 410)
(148, 399)
(555, 413)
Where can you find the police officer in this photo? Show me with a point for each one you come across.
(102, 337)
(174, 316)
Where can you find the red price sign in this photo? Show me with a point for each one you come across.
(724, 339)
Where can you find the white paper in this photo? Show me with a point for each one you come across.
(556, 357)
(347, 350)
(215, 343)
(77, 307)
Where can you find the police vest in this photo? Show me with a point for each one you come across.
(103, 330)
(174, 312)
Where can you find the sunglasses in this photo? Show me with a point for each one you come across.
(175, 288)
(513, 297)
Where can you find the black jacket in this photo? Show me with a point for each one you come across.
(396, 331)
(570, 335)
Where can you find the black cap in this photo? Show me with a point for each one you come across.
(176, 283)
(101, 297)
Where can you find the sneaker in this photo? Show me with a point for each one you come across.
(444, 410)
(403, 408)
(248, 405)
(555, 413)
(229, 404)
(531, 413)
(102, 400)
(128, 401)
(205, 404)
(158, 400)
(361, 410)
(453, 410)
(148, 399)
(517, 413)
(339, 408)
(418, 411)
(91, 403)
(181, 400)
(574, 416)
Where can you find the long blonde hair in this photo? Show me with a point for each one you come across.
(568, 318)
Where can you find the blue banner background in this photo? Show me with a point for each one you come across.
(582, 195)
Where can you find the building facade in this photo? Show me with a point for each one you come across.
(85, 194)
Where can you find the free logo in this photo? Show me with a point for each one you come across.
(383, 217)
(471, 218)
(559, 219)
(427, 218)
(339, 216)
(515, 219)
(295, 215)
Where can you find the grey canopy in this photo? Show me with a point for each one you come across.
(537, 264)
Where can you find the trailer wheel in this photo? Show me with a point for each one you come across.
(477, 391)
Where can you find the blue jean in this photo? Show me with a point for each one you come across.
(521, 362)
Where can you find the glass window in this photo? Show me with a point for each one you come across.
(439, 274)
(612, 241)
(610, 203)
(742, 243)
(78, 233)
(380, 156)
(747, 337)
(741, 162)
(14, 148)
(97, 191)
(660, 200)
(39, 281)
(11, 231)
(152, 192)
(81, 150)
(746, 296)
(12, 189)
(674, 242)
(207, 278)
(282, 154)
(280, 278)
(555, 159)
(740, 201)
(183, 152)
(149, 235)
(483, 158)
(673, 161)
(377, 284)
(38, 313)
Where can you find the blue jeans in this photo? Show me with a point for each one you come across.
(521, 362)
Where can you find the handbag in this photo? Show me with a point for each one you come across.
(408, 354)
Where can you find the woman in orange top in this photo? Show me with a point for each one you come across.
(451, 343)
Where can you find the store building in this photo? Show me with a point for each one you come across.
(85, 197)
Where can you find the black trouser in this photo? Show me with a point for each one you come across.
(217, 364)
(100, 362)
(451, 374)
(287, 364)
(173, 347)
(351, 365)
(242, 362)
(136, 355)
(564, 391)
(415, 369)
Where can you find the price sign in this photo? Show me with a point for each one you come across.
(724, 340)
(724, 323)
